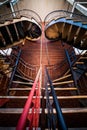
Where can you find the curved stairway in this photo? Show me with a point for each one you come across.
(13, 30)
(67, 94)
(68, 27)
(65, 101)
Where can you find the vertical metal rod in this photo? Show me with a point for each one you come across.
(61, 122)
(70, 65)
(12, 9)
(14, 70)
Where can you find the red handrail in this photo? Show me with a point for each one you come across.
(23, 118)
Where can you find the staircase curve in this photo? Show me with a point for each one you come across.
(66, 26)
(14, 30)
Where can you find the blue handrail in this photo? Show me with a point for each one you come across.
(60, 119)
(14, 70)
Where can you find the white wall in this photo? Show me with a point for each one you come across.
(42, 7)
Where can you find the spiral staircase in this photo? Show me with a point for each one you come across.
(14, 30)
(27, 100)
(68, 27)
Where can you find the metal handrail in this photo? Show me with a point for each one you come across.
(61, 123)
(62, 13)
(23, 66)
(14, 70)
(71, 69)
(25, 12)
(23, 118)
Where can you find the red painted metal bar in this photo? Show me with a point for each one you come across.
(34, 116)
(23, 118)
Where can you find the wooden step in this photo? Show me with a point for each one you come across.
(86, 73)
(69, 110)
(19, 82)
(64, 77)
(64, 110)
(68, 97)
(64, 82)
(17, 97)
(72, 33)
(67, 72)
(21, 77)
(65, 31)
(9, 33)
(58, 97)
(14, 32)
(79, 62)
(19, 89)
(60, 26)
(83, 58)
(14, 110)
(5, 35)
(62, 89)
(80, 36)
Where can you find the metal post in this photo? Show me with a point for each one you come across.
(61, 121)
(14, 70)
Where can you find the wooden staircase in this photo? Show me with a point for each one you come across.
(64, 91)
(14, 30)
(71, 30)
(70, 98)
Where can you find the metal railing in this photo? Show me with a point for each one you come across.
(54, 123)
(62, 13)
(57, 70)
(26, 70)
(32, 15)
(33, 117)
(14, 70)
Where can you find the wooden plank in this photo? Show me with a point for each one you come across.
(69, 97)
(20, 89)
(21, 77)
(79, 36)
(79, 62)
(63, 77)
(19, 82)
(72, 33)
(15, 110)
(60, 26)
(84, 44)
(83, 58)
(63, 89)
(18, 97)
(69, 110)
(74, 110)
(64, 110)
(66, 30)
(67, 72)
(65, 82)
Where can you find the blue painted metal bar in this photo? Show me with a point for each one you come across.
(14, 70)
(71, 69)
(61, 122)
(50, 116)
